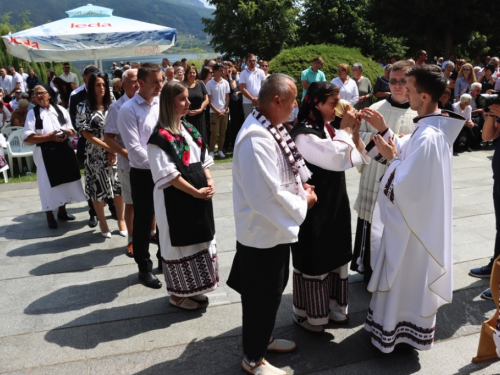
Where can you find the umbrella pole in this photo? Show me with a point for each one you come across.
(95, 57)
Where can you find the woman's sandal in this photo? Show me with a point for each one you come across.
(185, 304)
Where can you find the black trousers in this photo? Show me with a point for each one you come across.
(496, 203)
(260, 276)
(142, 185)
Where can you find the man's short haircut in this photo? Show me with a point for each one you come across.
(9, 68)
(66, 63)
(465, 98)
(144, 69)
(127, 73)
(169, 69)
(420, 53)
(90, 69)
(476, 85)
(183, 60)
(428, 79)
(249, 55)
(388, 67)
(275, 84)
(317, 59)
(402, 65)
(176, 64)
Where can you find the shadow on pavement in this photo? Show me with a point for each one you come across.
(79, 262)
(57, 245)
(77, 297)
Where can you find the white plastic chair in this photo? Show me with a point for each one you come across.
(16, 148)
(8, 130)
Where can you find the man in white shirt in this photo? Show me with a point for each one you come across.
(5, 83)
(137, 119)
(113, 139)
(69, 76)
(24, 75)
(218, 93)
(17, 80)
(250, 82)
(270, 202)
(169, 75)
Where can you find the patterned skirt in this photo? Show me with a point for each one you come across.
(192, 275)
(315, 296)
(101, 180)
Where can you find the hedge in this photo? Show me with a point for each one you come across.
(294, 60)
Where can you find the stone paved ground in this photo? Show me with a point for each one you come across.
(71, 303)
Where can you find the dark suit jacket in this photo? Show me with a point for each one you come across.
(74, 101)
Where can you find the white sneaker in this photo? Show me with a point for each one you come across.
(211, 154)
(221, 154)
(263, 368)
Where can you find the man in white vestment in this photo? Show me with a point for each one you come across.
(270, 202)
(411, 238)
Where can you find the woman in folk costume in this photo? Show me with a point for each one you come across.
(48, 126)
(320, 258)
(183, 202)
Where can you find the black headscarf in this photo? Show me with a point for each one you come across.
(315, 95)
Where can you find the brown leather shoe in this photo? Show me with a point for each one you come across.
(130, 250)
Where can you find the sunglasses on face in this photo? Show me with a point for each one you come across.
(265, 66)
(402, 82)
(252, 61)
(466, 69)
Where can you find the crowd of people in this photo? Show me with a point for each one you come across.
(148, 138)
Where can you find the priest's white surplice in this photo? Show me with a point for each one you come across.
(411, 239)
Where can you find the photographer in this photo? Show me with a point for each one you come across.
(491, 130)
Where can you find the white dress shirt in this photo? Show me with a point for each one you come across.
(137, 119)
(70, 77)
(6, 84)
(112, 127)
(17, 78)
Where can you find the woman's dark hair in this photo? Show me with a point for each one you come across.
(52, 74)
(186, 73)
(63, 87)
(91, 97)
(204, 73)
(118, 73)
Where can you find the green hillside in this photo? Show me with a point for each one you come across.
(184, 15)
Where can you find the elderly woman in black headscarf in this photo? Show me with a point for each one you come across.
(321, 256)
(48, 126)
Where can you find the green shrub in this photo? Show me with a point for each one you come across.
(294, 60)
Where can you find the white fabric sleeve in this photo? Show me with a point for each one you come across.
(337, 154)
(355, 93)
(209, 161)
(129, 131)
(163, 168)
(29, 125)
(7, 114)
(374, 151)
(111, 123)
(263, 191)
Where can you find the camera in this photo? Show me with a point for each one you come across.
(485, 100)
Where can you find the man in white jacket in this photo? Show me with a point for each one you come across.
(271, 200)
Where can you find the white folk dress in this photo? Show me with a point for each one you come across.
(399, 118)
(188, 270)
(315, 295)
(51, 197)
(412, 237)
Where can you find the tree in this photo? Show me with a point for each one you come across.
(263, 27)
(345, 23)
(438, 26)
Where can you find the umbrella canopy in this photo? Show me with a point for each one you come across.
(90, 32)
